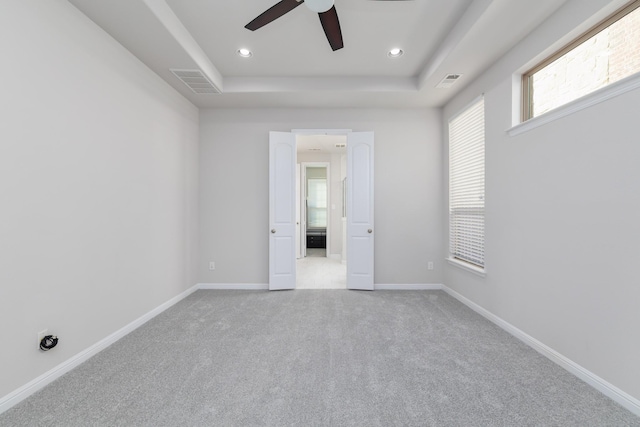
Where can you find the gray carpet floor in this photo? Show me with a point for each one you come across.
(318, 358)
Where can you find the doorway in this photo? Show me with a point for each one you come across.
(359, 211)
(320, 213)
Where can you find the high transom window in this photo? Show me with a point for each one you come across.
(606, 54)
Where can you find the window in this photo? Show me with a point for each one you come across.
(607, 53)
(466, 185)
(317, 203)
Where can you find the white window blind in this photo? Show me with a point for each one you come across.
(317, 203)
(466, 185)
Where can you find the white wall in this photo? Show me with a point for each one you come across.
(562, 227)
(98, 187)
(234, 163)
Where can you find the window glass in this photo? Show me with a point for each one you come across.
(604, 55)
(317, 203)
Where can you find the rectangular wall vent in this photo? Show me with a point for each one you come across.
(448, 81)
(195, 80)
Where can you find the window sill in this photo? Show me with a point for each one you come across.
(468, 267)
(614, 89)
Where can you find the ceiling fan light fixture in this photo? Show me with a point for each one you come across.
(319, 6)
(396, 52)
(244, 53)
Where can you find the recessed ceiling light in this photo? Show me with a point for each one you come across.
(395, 52)
(245, 53)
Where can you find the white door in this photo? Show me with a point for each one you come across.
(303, 211)
(298, 213)
(360, 229)
(282, 211)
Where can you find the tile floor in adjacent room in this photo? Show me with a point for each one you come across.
(316, 271)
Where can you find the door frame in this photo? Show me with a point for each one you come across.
(303, 206)
(297, 132)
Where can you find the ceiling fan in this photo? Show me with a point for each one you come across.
(325, 9)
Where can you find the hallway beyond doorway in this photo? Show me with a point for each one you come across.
(316, 271)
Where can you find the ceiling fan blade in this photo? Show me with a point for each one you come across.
(273, 13)
(331, 26)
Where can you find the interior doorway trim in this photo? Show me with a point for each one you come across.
(321, 131)
(328, 228)
(344, 132)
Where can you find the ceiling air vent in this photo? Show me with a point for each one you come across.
(195, 80)
(448, 81)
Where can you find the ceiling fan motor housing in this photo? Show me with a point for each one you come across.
(319, 6)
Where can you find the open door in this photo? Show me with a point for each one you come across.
(282, 211)
(360, 229)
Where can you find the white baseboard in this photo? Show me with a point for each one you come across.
(614, 393)
(408, 287)
(40, 382)
(236, 286)
(265, 286)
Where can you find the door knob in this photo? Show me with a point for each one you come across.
(369, 231)
(273, 230)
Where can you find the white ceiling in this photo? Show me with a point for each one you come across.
(292, 64)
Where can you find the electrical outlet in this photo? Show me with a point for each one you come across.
(430, 265)
(212, 265)
(41, 335)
